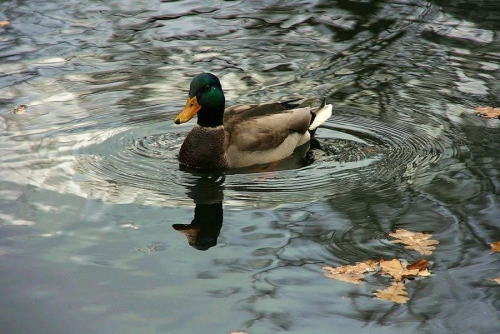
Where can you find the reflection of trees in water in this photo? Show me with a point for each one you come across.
(374, 73)
(484, 13)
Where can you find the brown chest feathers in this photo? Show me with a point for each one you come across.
(204, 148)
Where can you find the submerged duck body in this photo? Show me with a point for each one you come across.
(243, 135)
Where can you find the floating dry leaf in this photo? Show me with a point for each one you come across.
(396, 293)
(495, 279)
(488, 112)
(420, 242)
(421, 265)
(495, 247)
(350, 273)
(4, 23)
(396, 269)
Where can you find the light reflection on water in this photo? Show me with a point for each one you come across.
(91, 189)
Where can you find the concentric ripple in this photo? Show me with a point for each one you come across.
(352, 153)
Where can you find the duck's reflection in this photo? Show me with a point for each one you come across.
(207, 194)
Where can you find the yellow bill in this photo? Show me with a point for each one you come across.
(191, 108)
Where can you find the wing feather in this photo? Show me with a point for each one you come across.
(268, 132)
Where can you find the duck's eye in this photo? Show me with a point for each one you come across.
(207, 88)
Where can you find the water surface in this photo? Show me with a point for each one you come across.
(102, 232)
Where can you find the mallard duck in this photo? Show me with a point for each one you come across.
(243, 135)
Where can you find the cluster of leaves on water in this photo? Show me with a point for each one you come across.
(488, 112)
(399, 271)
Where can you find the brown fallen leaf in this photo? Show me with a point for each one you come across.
(4, 23)
(396, 293)
(350, 273)
(488, 112)
(421, 265)
(495, 279)
(495, 247)
(396, 269)
(420, 242)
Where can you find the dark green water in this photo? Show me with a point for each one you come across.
(91, 194)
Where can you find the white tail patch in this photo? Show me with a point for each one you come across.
(322, 114)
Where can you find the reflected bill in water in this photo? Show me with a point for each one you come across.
(207, 194)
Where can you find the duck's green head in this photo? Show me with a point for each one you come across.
(206, 99)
